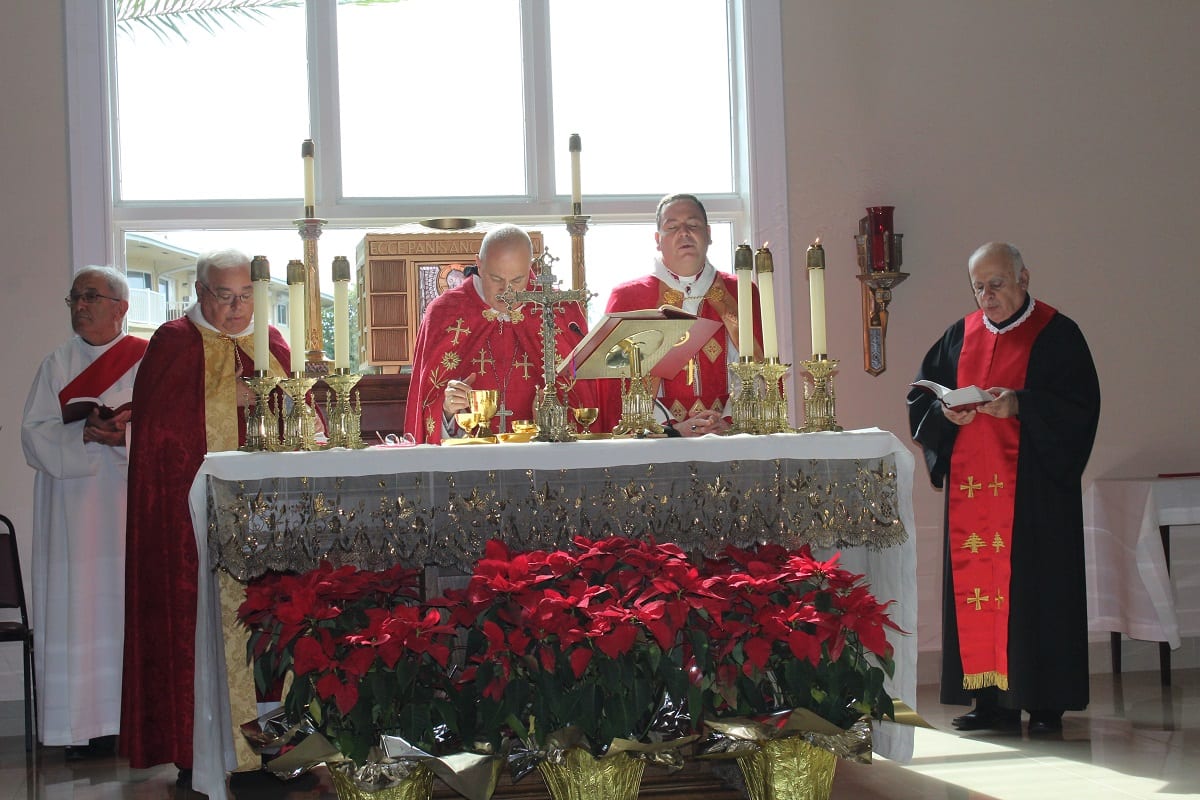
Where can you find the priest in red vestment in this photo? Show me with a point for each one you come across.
(696, 399)
(190, 400)
(1014, 615)
(471, 339)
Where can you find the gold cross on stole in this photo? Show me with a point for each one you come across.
(970, 486)
(978, 599)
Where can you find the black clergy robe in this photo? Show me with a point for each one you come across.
(1059, 408)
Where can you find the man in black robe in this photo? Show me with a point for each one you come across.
(1011, 469)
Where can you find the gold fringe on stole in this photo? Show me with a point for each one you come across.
(982, 680)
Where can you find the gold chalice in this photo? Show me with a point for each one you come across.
(484, 403)
(585, 417)
(467, 421)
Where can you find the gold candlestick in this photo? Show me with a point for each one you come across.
(577, 225)
(262, 422)
(300, 423)
(310, 230)
(820, 405)
(775, 418)
(345, 418)
(747, 406)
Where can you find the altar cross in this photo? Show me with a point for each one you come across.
(546, 297)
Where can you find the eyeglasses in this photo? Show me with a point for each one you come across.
(226, 297)
(90, 297)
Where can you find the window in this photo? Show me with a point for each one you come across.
(281, 314)
(418, 114)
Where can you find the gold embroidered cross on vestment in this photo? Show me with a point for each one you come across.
(978, 599)
(971, 486)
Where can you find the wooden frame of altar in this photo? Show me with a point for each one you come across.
(254, 512)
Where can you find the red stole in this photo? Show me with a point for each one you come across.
(102, 373)
(983, 482)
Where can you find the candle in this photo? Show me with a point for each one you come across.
(764, 266)
(743, 267)
(295, 279)
(260, 276)
(816, 296)
(576, 146)
(308, 152)
(341, 312)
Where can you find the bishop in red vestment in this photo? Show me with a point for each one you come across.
(189, 401)
(1014, 616)
(470, 339)
(696, 398)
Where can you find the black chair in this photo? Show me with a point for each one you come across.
(12, 595)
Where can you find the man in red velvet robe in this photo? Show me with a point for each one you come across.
(471, 339)
(695, 400)
(190, 400)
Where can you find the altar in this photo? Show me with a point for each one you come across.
(427, 505)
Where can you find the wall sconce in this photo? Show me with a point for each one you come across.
(879, 258)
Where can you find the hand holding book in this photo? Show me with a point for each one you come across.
(965, 399)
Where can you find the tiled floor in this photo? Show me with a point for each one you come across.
(1137, 740)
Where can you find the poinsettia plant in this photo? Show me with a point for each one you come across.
(793, 632)
(590, 638)
(367, 657)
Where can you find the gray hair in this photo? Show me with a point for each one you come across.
(219, 259)
(118, 286)
(671, 198)
(1002, 250)
(503, 237)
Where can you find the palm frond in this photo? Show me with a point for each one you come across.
(169, 19)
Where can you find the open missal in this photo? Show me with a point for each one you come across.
(664, 337)
(78, 408)
(964, 399)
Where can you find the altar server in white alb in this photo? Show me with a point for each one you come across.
(74, 435)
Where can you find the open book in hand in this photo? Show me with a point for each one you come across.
(78, 408)
(964, 399)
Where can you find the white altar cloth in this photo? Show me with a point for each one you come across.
(891, 572)
(1129, 589)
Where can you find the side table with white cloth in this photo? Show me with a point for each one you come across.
(1127, 525)
(255, 512)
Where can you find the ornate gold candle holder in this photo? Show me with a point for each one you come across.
(345, 418)
(310, 228)
(577, 225)
(820, 404)
(747, 406)
(300, 422)
(262, 421)
(775, 418)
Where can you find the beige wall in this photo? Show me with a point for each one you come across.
(35, 264)
(1067, 128)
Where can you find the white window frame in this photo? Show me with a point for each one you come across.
(757, 209)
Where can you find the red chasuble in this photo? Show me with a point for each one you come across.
(167, 445)
(983, 485)
(460, 335)
(705, 383)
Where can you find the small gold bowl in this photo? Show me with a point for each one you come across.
(524, 426)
